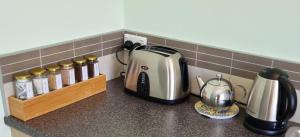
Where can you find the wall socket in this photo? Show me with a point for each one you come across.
(135, 39)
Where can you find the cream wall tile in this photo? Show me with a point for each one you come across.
(296, 117)
(9, 90)
(110, 66)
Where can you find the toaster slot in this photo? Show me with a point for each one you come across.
(143, 86)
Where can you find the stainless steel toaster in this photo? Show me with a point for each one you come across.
(158, 74)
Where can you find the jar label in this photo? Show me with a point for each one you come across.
(84, 72)
(45, 85)
(38, 86)
(41, 85)
(71, 76)
(65, 77)
(58, 81)
(24, 90)
(29, 90)
(96, 69)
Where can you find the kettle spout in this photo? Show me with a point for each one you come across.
(200, 81)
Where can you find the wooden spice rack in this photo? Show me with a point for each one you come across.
(39, 105)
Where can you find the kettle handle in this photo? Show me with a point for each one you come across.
(286, 111)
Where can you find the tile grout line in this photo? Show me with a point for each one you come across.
(110, 47)
(41, 62)
(58, 60)
(231, 62)
(101, 39)
(215, 55)
(58, 53)
(295, 81)
(112, 40)
(180, 48)
(19, 61)
(226, 66)
(73, 44)
(87, 53)
(86, 46)
(190, 58)
(19, 70)
(250, 63)
(213, 63)
(244, 70)
(272, 64)
(155, 44)
(291, 71)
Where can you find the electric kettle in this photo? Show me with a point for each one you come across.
(271, 103)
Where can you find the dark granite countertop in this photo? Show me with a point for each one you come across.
(114, 113)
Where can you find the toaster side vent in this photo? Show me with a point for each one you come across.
(143, 85)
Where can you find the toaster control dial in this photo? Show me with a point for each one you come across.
(143, 86)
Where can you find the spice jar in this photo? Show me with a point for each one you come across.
(67, 72)
(24, 87)
(93, 65)
(81, 71)
(54, 77)
(40, 81)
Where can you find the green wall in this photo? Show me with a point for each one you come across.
(28, 24)
(267, 28)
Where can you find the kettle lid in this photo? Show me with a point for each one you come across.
(273, 73)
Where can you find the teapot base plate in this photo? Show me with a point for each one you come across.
(215, 113)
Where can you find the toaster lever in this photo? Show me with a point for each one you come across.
(184, 73)
(143, 86)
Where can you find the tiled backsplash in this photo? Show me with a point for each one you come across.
(225, 61)
(99, 45)
(203, 60)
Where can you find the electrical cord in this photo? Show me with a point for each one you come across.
(117, 56)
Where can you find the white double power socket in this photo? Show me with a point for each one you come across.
(135, 39)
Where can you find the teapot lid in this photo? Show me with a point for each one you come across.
(219, 81)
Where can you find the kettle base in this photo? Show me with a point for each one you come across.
(264, 127)
(158, 100)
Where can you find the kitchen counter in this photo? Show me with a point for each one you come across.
(114, 113)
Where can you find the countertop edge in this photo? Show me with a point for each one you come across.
(16, 124)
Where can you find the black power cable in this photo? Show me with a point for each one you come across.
(117, 56)
(127, 45)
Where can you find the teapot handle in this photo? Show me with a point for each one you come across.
(243, 89)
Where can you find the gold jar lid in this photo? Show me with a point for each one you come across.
(53, 68)
(22, 76)
(66, 64)
(79, 61)
(38, 71)
(90, 57)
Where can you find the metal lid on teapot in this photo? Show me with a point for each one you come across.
(218, 81)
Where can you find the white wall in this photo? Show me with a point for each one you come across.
(26, 24)
(260, 27)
